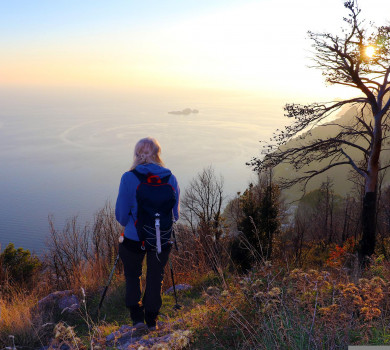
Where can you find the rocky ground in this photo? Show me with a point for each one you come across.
(167, 335)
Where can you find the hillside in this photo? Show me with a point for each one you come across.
(271, 307)
(338, 174)
(310, 294)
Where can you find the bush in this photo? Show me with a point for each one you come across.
(18, 266)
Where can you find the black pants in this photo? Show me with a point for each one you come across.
(132, 257)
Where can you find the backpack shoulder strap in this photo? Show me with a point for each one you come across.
(165, 179)
(140, 177)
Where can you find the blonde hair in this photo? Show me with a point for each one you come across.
(147, 150)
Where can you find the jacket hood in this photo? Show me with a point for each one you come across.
(154, 169)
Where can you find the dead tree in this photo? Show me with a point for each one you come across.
(202, 201)
(358, 58)
(202, 206)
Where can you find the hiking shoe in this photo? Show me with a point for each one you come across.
(151, 319)
(140, 327)
(153, 328)
(137, 314)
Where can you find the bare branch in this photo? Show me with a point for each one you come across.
(353, 164)
(385, 167)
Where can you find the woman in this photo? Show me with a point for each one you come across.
(132, 251)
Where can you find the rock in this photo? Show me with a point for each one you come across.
(179, 287)
(60, 301)
(69, 304)
(176, 340)
(129, 337)
(125, 328)
(54, 346)
(125, 336)
(111, 337)
(185, 111)
(213, 291)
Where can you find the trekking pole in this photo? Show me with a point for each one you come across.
(108, 283)
(177, 306)
(121, 239)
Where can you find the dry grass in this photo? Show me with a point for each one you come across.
(16, 319)
(273, 306)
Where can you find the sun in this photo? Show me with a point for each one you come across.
(370, 51)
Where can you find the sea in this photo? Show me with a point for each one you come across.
(62, 156)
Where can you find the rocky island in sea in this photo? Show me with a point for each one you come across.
(185, 111)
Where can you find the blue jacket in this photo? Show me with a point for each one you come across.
(126, 203)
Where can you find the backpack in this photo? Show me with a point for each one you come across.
(155, 200)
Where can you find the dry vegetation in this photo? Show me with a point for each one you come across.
(307, 293)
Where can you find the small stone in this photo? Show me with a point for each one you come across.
(111, 337)
(125, 328)
(178, 287)
(213, 291)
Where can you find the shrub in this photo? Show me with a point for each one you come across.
(18, 266)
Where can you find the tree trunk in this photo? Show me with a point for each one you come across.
(345, 226)
(367, 243)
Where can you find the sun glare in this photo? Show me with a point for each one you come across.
(370, 51)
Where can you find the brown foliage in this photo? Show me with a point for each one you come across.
(82, 256)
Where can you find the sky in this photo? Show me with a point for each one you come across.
(81, 81)
(258, 47)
